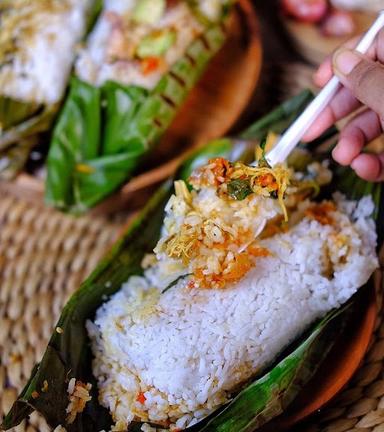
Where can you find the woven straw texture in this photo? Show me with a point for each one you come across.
(44, 256)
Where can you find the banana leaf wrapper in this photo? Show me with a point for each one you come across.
(17, 141)
(20, 120)
(15, 157)
(68, 353)
(102, 134)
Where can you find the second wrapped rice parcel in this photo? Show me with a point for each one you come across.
(138, 65)
(38, 41)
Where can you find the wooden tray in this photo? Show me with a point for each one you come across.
(210, 111)
(315, 46)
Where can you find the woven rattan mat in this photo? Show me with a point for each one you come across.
(44, 256)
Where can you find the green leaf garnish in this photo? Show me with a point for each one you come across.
(262, 162)
(239, 189)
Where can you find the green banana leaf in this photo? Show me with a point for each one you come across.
(13, 112)
(20, 120)
(280, 118)
(68, 354)
(102, 134)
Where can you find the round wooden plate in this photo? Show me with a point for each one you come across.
(339, 366)
(341, 363)
(315, 46)
(210, 110)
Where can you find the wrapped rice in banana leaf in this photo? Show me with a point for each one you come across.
(137, 67)
(189, 338)
(37, 49)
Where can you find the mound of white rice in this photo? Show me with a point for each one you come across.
(37, 47)
(174, 358)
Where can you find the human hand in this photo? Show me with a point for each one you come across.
(362, 77)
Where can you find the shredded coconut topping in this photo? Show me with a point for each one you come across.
(212, 231)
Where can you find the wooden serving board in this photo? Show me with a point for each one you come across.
(210, 111)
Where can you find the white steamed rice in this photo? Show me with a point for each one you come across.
(45, 33)
(176, 357)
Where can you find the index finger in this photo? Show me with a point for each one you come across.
(342, 104)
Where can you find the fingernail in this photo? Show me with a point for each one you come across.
(339, 155)
(357, 163)
(354, 164)
(335, 153)
(345, 61)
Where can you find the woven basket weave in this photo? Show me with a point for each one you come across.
(44, 256)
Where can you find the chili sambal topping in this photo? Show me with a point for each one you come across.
(141, 398)
(214, 231)
(215, 173)
(209, 234)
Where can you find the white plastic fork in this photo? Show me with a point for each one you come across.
(296, 131)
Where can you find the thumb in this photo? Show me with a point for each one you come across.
(364, 77)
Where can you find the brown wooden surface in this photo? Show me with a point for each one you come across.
(315, 46)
